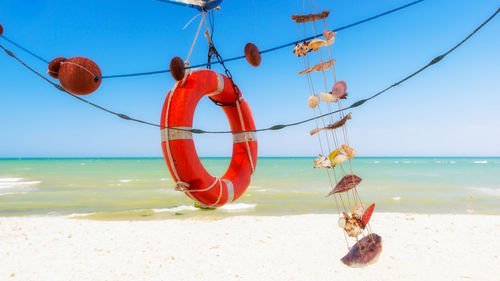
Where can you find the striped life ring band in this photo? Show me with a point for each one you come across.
(178, 145)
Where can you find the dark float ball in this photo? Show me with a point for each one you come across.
(54, 66)
(1, 29)
(177, 69)
(79, 76)
(252, 54)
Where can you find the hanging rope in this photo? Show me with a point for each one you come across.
(24, 49)
(272, 128)
(230, 59)
(267, 50)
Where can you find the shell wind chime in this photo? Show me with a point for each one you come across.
(336, 154)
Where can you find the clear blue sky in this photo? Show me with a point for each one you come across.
(450, 110)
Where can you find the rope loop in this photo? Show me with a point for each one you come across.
(182, 186)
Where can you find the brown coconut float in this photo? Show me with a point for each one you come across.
(79, 76)
(177, 69)
(54, 66)
(365, 252)
(252, 54)
(1, 29)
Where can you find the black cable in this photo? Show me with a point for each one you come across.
(267, 50)
(275, 127)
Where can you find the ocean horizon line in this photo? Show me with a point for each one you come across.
(222, 157)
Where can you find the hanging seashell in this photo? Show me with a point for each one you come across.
(365, 252)
(314, 131)
(335, 125)
(341, 122)
(319, 67)
(301, 49)
(316, 44)
(333, 154)
(252, 54)
(339, 159)
(328, 97)
(339, 90)
(357, 212)
(313, 101)
(352, 227)
(329, 34)
(341, 222)
(367, 215)
(351, 152)
(346, 183)
(322, 162)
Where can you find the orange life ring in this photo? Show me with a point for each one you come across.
(178, 146)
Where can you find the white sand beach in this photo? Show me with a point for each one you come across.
(304, 247)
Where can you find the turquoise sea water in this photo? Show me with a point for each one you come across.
(141, 188)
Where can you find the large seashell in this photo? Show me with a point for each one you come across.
(352, 227)
(314, 131)
(357, 212)
(313, 101)
(339, 159)
(341, 122)
(347, 182)
(328, 97)
(339, 90)
(335, 125)
(329, 34)
(351, 152)
(333, 154)
(322, 162)
(319, 67)
(365, 252)
(301, 50)
(367, 214)
(316, 44)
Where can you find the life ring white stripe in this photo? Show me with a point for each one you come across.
(245, 136)
(230, 190)
(220, 86)
(176, 134)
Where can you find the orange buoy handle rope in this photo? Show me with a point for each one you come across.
(179, 149)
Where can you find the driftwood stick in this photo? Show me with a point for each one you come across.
(310, 17)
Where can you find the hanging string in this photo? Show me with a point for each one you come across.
(229, 59)
(226, 60)
(275, 127)
(267, 50)
(24, 49)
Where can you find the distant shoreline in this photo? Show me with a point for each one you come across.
(228, 157)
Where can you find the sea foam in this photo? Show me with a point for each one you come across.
(238, 207)
(176, 209)
(15, 182)
(487, 190)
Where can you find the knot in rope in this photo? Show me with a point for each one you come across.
(182, 186)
